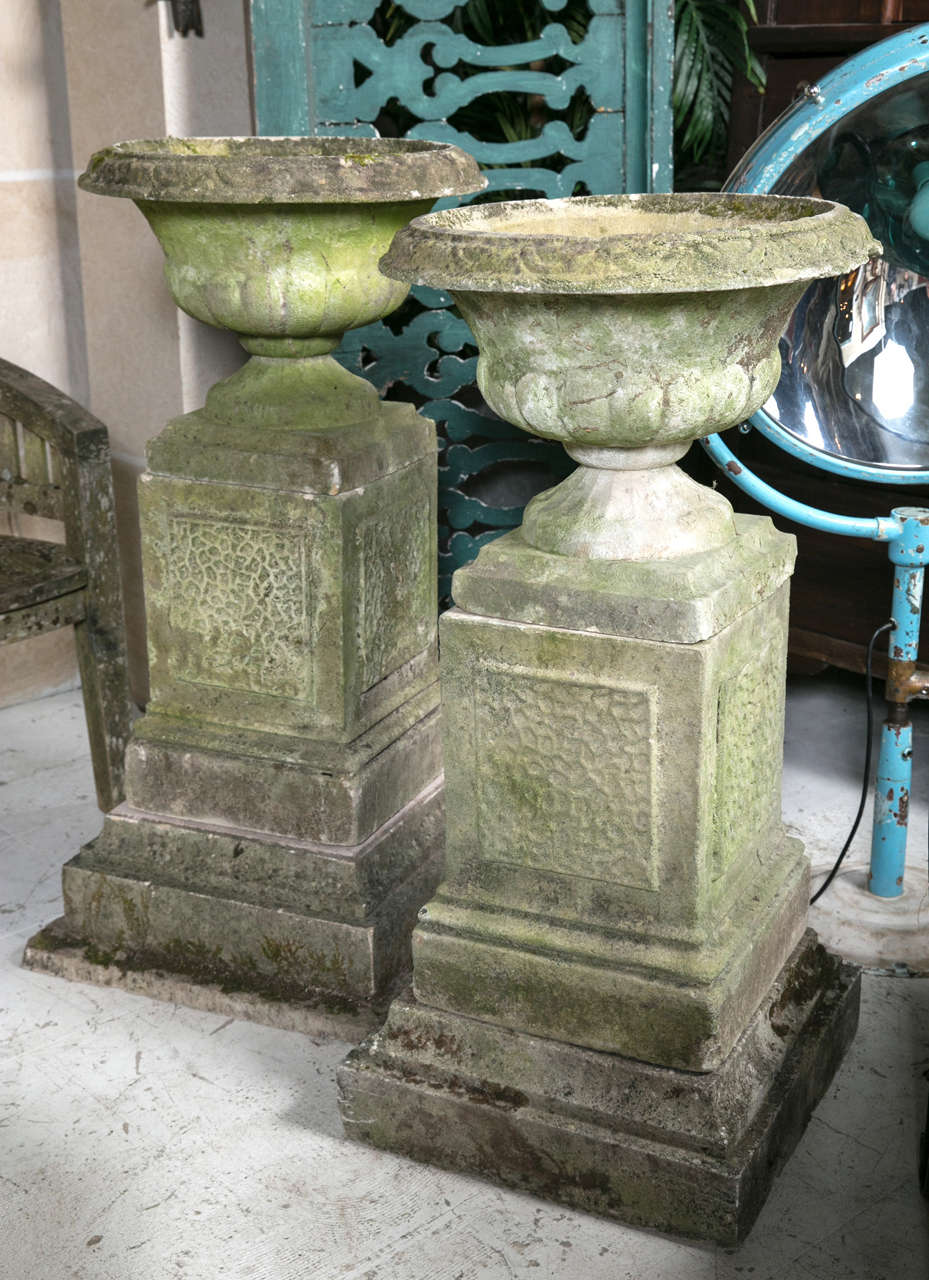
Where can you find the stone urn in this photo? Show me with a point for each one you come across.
(278, 239)
(615, 1001)
(284, 790)
(626, 327)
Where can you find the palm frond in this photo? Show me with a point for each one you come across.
(710, 42)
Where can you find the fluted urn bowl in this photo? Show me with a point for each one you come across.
(626, 327)
(278, 239)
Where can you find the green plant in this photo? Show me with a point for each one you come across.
(710, 44)
(490, 22)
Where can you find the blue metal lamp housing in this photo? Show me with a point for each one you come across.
(858, 406)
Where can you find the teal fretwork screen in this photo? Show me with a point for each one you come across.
(553, 98)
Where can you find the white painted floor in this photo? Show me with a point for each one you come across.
(140, 1141)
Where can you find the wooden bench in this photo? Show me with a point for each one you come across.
(55, 463)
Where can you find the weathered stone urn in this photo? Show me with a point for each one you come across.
(283, 816)
(615, 1002)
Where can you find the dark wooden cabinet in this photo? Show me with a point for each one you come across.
(797, 41)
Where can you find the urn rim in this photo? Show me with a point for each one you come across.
(281, 170)
(631, 244)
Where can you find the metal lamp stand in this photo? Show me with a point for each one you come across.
(906, 533)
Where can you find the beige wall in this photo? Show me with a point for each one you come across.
(84, 303)
(129, 75)
(41, 308)
(41, 316)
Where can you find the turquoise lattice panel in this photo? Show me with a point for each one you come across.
(582, 105)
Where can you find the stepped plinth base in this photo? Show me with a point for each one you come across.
(689, 1153)
(317, 926)
(52, 950)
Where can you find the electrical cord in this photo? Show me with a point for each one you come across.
(866, 777)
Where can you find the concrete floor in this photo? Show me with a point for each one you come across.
(142, 1141)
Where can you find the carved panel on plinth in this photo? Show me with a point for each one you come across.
(240, 592)
(565, 775)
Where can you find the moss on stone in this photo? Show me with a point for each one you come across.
(204, 964)
(48, 939)
(282, 170)
(631, 244)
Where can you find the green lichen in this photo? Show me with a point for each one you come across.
(48, 940)
(239, 972)
(97, 955)
(289, 958)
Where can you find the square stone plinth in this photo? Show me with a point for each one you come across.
(290, 579)
(288, 919)
(283, 814)
(618, 875)
(650, 1146)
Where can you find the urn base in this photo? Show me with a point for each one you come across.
(624, 508)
